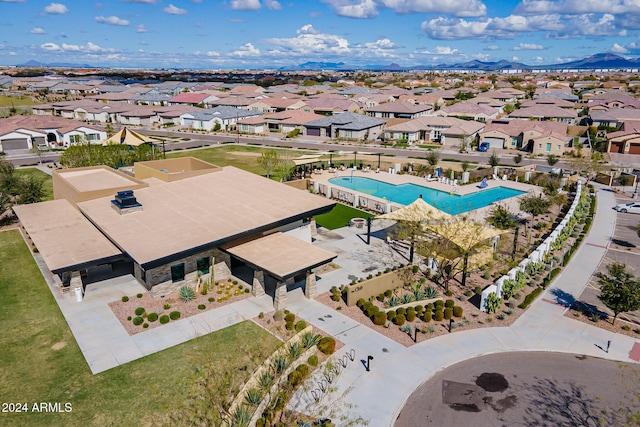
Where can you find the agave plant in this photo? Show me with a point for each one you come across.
(419, 295)
(415, 288)
(279, 364)
(187, 294)
(309, 339)
(393, 301)
(407, 298)
(294, 351)
(253, 397)
(266, 380)
(431, 292)
(241, 417)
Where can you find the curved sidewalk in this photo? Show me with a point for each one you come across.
(396, 371)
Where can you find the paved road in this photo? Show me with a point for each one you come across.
(519, 389)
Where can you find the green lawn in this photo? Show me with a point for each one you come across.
(340, 216)
(138, 393)
(242, 157)
(48, 182)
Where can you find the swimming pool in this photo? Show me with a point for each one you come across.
(407, 193)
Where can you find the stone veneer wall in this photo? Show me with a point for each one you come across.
(161, 275)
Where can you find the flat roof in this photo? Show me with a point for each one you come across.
(281, 255)
(190, 215)
(63, 236)
(100, 178)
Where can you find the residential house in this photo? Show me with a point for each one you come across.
(346, 125)
(614, 117)
(287, 121)
(545, 113)
(626, 141)
(447, 131)
(399, 110)
(193, 98)
(224, 116)
(330, 106)
(477, 112)
(22, 133)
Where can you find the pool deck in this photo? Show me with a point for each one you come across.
(511, 203)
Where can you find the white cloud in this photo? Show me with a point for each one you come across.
(310, 41)
(492, 47)
(371, 8)
(442, 50)
(616, 48)
(245, 4)
(272, 4)
(528, 46)
(140, 28)
(140, 1)
(245, 51)
(56, 9)
(538, 59)
(112, 20)
(172, 10)
(515, 58)
(37, 30)
(213, 54)
(50, 47)
(577, 7)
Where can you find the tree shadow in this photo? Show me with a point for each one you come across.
(623, 243)
(563, 298)
(550, 403)
(590, 310)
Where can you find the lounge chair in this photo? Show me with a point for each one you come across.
(455, 182)
(504, 177)
(496, 177)
(428, 177)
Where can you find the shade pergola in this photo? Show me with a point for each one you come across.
(464, 234)
(128, 137)
(417, 211)
(307, 159)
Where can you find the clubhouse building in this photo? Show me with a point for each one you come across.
(175, 222)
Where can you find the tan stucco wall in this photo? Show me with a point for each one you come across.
(173, 169)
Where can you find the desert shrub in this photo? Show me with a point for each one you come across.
(457, 311)
(449, 303)
(139, 311)
(278, 315)
(360, 302)
(253, 397)
(401, 311)
(411, 315)
(129, 318)
(167, 306)
(300, 325)
(303, 369)
(261, 315)
(380, 297)
(139, 295)
(138, 320)
(313, 360)
(439, 304)
(448, 313)
(388, 293)
(201, 306)
(439, 316)
(391, 313)
(152, 317)
(380, 318)
(399, 320)
(145, 325)
(125, 298)
(478, 290)
(327, 345)
(174, 315)
(288, 326)
(371, 310)
(429, 307)
(419, 308)
(530, 298)
(164, 319)
(512, 304)
(294, 351)
(427, 316)
(294, 378)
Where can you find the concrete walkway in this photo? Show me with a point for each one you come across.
(396, 371)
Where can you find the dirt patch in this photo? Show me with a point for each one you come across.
(622, 326)
(492, 382)
(59, 346)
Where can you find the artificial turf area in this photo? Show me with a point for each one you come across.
(40, 360)
(340, 216)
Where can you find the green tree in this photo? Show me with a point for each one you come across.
(494, 160)
(624, 180)
(552, 159)
(501, 218)
(433, 157)
(268, 161)
(465, 165)
(517, 159)
(619, 289)
(534, 205)
(31, 190)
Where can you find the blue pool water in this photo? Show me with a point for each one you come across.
(405, 194)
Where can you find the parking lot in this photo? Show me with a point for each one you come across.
(624, 248)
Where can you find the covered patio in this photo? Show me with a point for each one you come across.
(283, 258)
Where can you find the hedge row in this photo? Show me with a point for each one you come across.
(530, 298)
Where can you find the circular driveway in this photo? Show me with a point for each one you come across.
(523, 389)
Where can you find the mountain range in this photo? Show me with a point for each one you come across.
(594, 62)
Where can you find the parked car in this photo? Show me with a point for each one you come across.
(633, 207)
(484, 146)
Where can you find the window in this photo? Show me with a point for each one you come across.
(177, 272)
(539, 146)
(514, 141)
(244, 128)
(347, 134)
(202, 264)
(558, 147)
(548, 147)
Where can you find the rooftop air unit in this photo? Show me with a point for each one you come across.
(125, 202)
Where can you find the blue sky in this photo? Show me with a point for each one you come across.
(216, 34)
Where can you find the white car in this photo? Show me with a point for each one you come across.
(633, 207)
